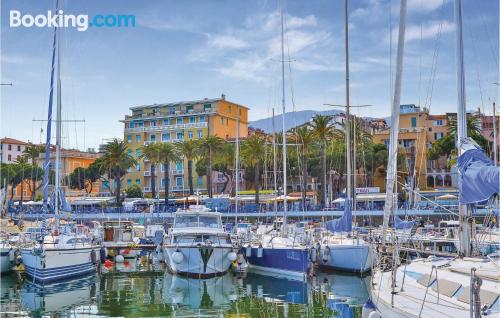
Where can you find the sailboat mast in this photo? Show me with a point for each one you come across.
(495, 146)
(465, 229)
(347, 108)
(391, 178)
(58, 129)
(237, 165)
(46, 163)
(275, 173)
(283, 121)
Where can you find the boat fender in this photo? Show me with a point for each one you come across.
(326, 254)
(260, 251)
(12, 255)
(248, 251)
(19, 260)
(312, 254)
(119, 258)
(93, 257)
(241, 259)
(368, 308)
(374, 314)
(177, 257)
(232, 256)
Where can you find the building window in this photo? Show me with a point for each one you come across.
(152, 138)
(192, 119)
(165, 137)
(137, 138)
(189, 109)
(179, 182)
(138, 181)
(179, 121)
(179, 165)
(200, 134)
(203, 119)
(9, 157)
(129, 138)
(430, 128)
(414, 122)
(438, 135)
(230, 109)
(166, 122)
(138, 153)
(163, 183)
(18, 148)
(171, 110)
(438, 122)
(222, 121)
(207, 107)
(200, 181)
(138, 167)
(153, 123)
(129, 152)
(180, 135)
(190, 134)
(131, 124)
(9, 147)
(129, 182)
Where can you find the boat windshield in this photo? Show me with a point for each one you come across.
(197, 221)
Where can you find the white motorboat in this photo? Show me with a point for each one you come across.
(7, 257)
(346, 253)
(197, 246)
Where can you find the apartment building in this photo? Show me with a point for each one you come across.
(177, 122)
(11, 149)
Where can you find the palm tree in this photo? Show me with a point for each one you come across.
(33, 152)
(151, 152)
(253, 150)
(225, 162)
(189, 150)
(168, 153)
(305, 137)
(115, 162)
(209, 146)
(323, 131)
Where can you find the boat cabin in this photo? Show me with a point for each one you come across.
(118, 232)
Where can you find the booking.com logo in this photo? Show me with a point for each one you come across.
(60, 20)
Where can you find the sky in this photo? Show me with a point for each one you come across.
(192, 49)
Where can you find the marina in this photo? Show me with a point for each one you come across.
(198, 211)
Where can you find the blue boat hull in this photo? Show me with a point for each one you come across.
(285, 261)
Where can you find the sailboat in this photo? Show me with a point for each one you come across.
(277, 253)
(339, 249)
(62, 252)
(462, 286)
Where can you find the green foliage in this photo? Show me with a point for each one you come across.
(134, 191)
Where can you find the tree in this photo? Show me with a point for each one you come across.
(225, 163)
(168, 153)
(253, 151)
(323, 131)
(209, 146)
(134, 191)
(189, 150)
(83, 178)
(151, 152)
(32, 152)
(305, 137)
(114, 163)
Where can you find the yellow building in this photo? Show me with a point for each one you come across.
(417, 131)
(176, 122)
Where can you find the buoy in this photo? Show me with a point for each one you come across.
(119, 258)
(312, 254)
(12, 255)
(326, 254)
(232, 256)
(368, 308)
(108, 263)
(177, 257)
(248, 251)
(260, 251)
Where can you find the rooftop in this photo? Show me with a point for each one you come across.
(7, 140)
(190, 102)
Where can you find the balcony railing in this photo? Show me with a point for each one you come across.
(147, 173)
(149, 142)
(168, 127)
(147, 189)
(176, 171)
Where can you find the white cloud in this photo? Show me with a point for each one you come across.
(425, 5)
(226, 41)
(426, 31)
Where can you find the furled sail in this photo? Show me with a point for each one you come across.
(344, 223)
(402, 225)
(479, 177)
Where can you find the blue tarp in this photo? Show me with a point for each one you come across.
(402, 225)
(479, 177)
(344, 223)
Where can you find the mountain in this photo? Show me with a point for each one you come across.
(291, 119)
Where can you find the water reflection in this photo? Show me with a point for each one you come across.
(153, 294)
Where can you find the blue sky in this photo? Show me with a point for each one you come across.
(183, 50)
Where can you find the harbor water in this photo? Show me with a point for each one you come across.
(130, 290)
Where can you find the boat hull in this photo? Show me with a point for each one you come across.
(5, 263)
(199, 261)
(348, 258)
(288, 262)
(59, 264)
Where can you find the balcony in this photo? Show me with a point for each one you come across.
(178, 188)
(147, 189)
(177, 172)
(149, 142)
(168, 127)
(147, 173)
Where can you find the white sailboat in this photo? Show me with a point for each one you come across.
(197, 246)
(339, 249)
(63, 252)
(462, 286)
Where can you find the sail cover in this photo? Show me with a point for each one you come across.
(479, 177)
(402, 225)
(344, 223)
